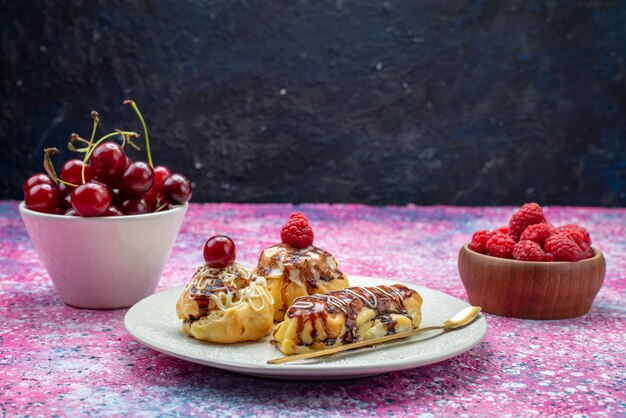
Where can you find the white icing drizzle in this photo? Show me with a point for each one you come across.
(396, 300)
(372, 304)
(303, 305)
(255, 293)
(394, 290)
(204, 275)
(336, 302)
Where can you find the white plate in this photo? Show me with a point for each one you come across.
(153, 322)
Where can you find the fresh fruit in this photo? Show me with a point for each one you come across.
(108, 162)
(135, 206)
(538, 233)
(65, 203)
(36, 179)
(160, 204)
(137, 178)
(91, 199)
(219, 251)
(72, 172)
(115, 185)
(529, 214)
(502, 230)
(64, 189)
(577, 233)
(479, 241)
(42, 198)
(530, 237)
(160, 174)
(501, 246)
(116, 195)
(113, 211)
(297, 231)
(526, 250)
(177, 189)
(563, 248)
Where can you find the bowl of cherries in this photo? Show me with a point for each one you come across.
(104, 227)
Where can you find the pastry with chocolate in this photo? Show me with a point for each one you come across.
(223, 303)
(319, 322)
(297, 268)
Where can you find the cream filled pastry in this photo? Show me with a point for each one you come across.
(223, 303)
(319, 322)
(297, 268)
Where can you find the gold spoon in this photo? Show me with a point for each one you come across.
(459, 320)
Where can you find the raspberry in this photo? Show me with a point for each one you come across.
(577, 233)
(526, 250)
(501, 246)
(538, 233)
(587, 252)
(502, 230)
(563, 248)
(479, 241)
(549, 257)
(529, 214)
(297, 231)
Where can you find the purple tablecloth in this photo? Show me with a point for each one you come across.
(58, 360)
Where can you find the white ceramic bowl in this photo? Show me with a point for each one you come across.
(104, 263)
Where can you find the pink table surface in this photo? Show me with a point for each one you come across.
(58, 360)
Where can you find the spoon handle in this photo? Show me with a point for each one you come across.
(352, 346)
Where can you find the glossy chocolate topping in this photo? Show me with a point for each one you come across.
(302, 266)
(385, 300)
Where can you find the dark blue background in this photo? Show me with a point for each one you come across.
(454, 102)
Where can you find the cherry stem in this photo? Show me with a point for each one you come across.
(72, 148)
(132, 144)
(123, 137)
(76, 138)
(107, 136)
(94, 116)
(126, 140)
(162, 207)
(47, 165)
(145, 129)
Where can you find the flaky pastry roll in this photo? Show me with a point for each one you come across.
(319, 322)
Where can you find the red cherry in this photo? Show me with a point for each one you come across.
(108, 162)
(42, 198)
(160, 202)
(177, 189)
(135, 206)
(65, 203)
(152, 193)
(71, 171)
(36, 179)
(71, 212)
(64, 189)
(91, 199)
(113, 211)
(137, 178)
(160, 174)
(219, 251)
(116, 195)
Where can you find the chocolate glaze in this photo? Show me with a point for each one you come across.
(211, 285)
(310, 268)
(385, 300)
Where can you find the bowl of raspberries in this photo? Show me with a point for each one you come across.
(531, 268)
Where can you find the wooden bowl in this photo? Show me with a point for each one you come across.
(531, 290)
